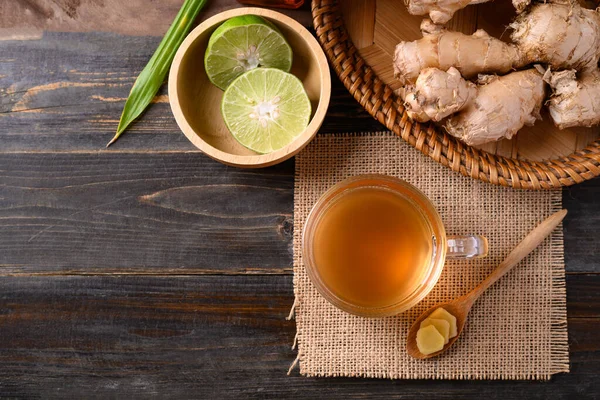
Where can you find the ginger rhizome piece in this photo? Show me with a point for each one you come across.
(442, 11)
(496, 108)
(469, 54)
(435, 70)
(575, 102)
(441, 313)
(437, 94)
(429, 340)
(442, 326)
(563, 36)
(435, 331)
(503, 105)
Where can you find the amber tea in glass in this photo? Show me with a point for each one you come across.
(374, 245)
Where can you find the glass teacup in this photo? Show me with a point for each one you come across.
(375, 246)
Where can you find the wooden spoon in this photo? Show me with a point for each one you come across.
(460, 307)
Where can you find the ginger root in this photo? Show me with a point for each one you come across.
(441, 325)
(564, 36)
(437, 94)
(496, 108)
(441, 313)
(572, 43)
(429, 340)
(435, 70)
(502, 106)
(574, 102)
(442, 11)
(469, 54)
(560, 34)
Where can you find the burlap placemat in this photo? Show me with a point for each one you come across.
(516, 330)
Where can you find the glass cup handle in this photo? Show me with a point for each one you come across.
(468, 246)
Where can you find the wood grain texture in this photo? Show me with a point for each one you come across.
(176, 213)
(214, 337)
(361, 21)
(464, 20)
(134, 213)
(581, 227)
(197, 255)
(28, 19)
(66, 92)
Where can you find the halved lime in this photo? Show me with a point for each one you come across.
(266, 109)
(244, 43)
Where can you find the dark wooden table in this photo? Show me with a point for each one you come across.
(149, 270)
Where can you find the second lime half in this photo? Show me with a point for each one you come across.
(266, 109)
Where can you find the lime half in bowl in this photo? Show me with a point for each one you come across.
(265, 109)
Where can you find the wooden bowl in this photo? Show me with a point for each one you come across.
(196, 102)
(359, 38)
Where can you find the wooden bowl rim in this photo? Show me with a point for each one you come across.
(259, 160)
(379, 100)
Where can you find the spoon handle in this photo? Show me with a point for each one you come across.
(531, 241)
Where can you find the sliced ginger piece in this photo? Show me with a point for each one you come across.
(429, 340)
(442, 326)
(440, 313)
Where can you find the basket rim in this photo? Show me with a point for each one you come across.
(379, 100)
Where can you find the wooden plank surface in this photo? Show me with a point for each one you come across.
(177, 212)
(582, 227)
(65, 93)
(151, 213)
(29, 19)
(150, 271)
(215, 337)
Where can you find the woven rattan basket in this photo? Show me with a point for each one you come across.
(379, 99)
